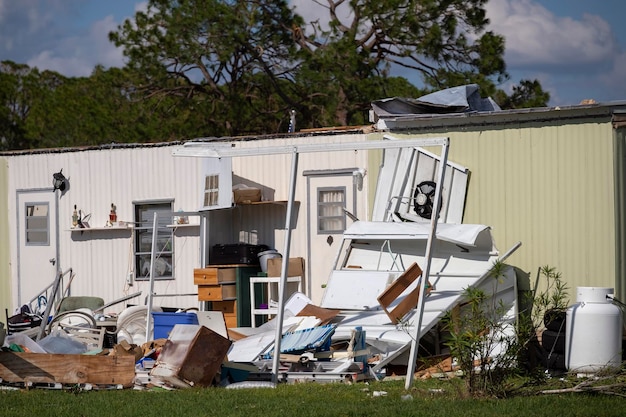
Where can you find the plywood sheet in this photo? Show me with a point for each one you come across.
(67, 369)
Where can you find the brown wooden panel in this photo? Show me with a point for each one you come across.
(387, 297)
(67, 369)
(398, 286)
(231, 321)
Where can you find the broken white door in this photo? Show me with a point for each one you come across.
(37, 242)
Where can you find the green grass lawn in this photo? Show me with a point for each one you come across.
(431, 398)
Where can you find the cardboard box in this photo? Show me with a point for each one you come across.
(246, 195)
(294, 269)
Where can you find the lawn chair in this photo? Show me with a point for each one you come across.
(79, 302)
(74, 316)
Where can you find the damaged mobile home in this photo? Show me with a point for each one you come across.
(515, 172)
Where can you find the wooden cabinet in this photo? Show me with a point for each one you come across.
(226, 288)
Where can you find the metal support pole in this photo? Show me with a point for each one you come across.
(284, 268)
(151, 291)
(415, 342)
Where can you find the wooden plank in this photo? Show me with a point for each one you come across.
(67, 369)
(391, 294)
(399, 285)
(404, 306)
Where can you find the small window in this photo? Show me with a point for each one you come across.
(331, 203)
(164, 253)
(211, 190)
(37, 224)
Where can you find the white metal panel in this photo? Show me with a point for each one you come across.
(401, 172)
(222, 168)
(454, 267)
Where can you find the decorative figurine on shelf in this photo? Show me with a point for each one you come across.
(113, 215)
(75, 217)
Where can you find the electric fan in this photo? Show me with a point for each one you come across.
(424, 199)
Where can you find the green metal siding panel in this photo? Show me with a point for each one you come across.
(549, 186)
(620, 212)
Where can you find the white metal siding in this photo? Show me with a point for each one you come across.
(102, 260)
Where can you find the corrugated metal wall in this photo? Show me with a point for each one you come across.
(102, 260)
(549, 186)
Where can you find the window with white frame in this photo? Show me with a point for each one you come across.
(331, 203)
(211, 190)
(37, 229)
(164, 250)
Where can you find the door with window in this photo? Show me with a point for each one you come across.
(37, 240)
(331, 195)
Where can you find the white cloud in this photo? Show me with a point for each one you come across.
(77, 56)
(536, 38)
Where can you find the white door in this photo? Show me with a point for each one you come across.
(330, 195)
(37, 240)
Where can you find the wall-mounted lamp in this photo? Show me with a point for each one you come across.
(59, 182)
(357, 178)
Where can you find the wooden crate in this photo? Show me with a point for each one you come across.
(214, 275)
(217, 292)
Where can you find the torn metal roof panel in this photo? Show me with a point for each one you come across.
(460, 99)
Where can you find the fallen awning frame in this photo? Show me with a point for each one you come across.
(219, 150)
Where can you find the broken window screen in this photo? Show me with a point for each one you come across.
(211, 190)
(331, 204)
(37, 224)
(164, 251)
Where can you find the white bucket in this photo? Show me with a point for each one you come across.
(265, 255)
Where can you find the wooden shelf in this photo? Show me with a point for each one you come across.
(176, 226)
(262, 203)
(101, 229)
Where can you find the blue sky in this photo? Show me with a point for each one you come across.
(575, 48)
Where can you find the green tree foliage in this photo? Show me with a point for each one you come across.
(17, 83)
(526, 94)
(198, 68)
(231, 58)
(443, 42)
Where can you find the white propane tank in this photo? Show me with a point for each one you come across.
(593, 333)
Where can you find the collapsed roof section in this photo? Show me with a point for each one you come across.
(461, 99)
